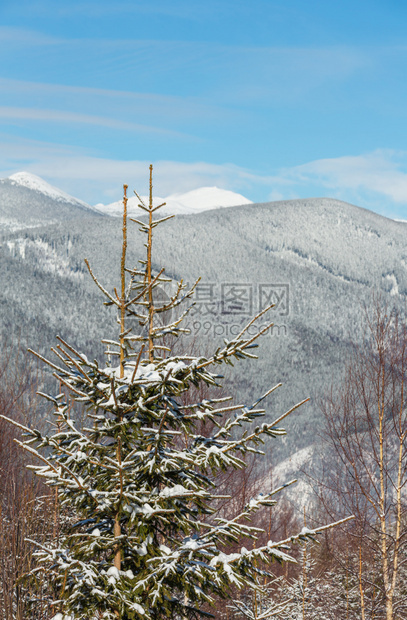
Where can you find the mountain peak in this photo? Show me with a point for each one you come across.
(33, 182)
(194, 201)
(208, 198)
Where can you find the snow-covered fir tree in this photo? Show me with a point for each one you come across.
(139, 478)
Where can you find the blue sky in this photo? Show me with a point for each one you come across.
(275, 99)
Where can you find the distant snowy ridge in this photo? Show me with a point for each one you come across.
(31, 181)
(195, 201)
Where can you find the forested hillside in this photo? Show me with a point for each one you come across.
(319, 260)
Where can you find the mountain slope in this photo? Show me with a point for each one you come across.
(319, 260)
(27, 201)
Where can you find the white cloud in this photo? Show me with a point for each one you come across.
(95, 179)
(376, 180)
(90, 175)
(382, 171)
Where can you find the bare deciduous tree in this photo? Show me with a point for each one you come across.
(366, 426)
(22, 509)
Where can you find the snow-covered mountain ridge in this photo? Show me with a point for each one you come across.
(47, 202)
(195, 201)
(32, 181)
(27, 201)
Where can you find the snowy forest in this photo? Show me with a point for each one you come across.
(140, 484)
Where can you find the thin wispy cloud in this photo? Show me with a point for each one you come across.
(176, 8)
(180, 9)
(115, 101)
(58, 116)
(14, 37)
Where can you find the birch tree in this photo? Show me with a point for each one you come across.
(367, 433)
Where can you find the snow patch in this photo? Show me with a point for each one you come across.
(114, 572)
(11, 225)
(299, 493)
(48, 258)
(175, 491)
(391, 278)
(289, 467)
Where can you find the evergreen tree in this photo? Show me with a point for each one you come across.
(146, 542)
